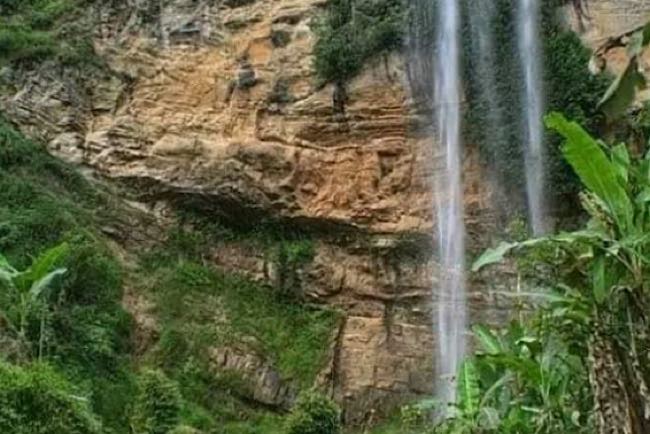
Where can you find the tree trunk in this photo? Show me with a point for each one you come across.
(606, 376)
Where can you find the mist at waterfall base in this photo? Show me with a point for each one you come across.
(435, 71)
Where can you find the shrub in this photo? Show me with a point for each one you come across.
(35, 30)
(353, 31)
(289, 256)
(157, 405)
(7, 6)
(35, 399)
(44, 202)
(496, 125)
(19, 42)
(314, 413)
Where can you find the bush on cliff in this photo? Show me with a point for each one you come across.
(157, 405)
(35, 30)
(353, 31)
(314, 413)
(35, 399)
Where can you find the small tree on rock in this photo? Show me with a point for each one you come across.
(157, 405)
(314, 414)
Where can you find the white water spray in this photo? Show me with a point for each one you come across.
(452, 307)
(481, 15)
(529, 50)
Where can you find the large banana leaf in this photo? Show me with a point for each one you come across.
(42, 266)
(488, 340)
(622, 91)
(469, 395)
(621, 160)
(44, 283)
(596, 171)
(492, 256)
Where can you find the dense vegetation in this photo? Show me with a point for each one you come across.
(353, 31)
(83, 330)
(61, 304)
(36, 399)
(35, 30)
(494, 119)
(314, 414)
(577, 362)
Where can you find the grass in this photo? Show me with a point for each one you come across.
(44, 202)
(201, 308)
(352, 32)
(35, 30)
(193, 298)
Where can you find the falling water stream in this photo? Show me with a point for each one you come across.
(435, 73)
(481, 15)
(452, 306)
(530, 54)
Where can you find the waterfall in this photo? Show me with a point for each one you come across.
(435, 74)
(530, 54)
(483, 60)
(452, 308)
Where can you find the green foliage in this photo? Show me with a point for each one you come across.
(265, 424)
(20, 42)
(314, 413)
(568, 87)
(532, 383)
(86, 332)
(24, 293)
(201, 308)
(571, 89)
(524, 378)
(599, 298)
(35, 399)
(353, 31)
(36, 30)
(157, 404)
(289, 257)
(601, 174)
(468, 390)
(294, 336)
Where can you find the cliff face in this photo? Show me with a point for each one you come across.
(609, 19)
(220, 102)
(216, 103)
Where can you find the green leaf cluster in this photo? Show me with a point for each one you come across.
(35, 399)
(495, 125)
(32, 31)
(78, 324)
(313, 413)
(24, 294)
(353, 31)
(600, 299)
(157, 404)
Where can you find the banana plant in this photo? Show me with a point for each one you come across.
(622, 91)
(26, 290)
(610, 297)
